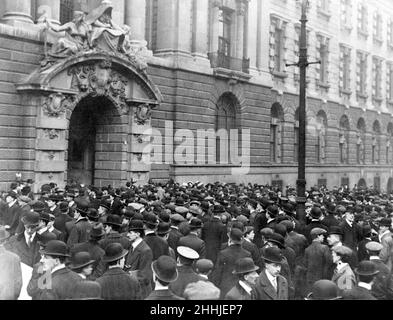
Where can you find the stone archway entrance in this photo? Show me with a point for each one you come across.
(362, 184)
(94, 143)
(390, 186)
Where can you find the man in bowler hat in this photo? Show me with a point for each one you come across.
(81, 229)
(193, 240)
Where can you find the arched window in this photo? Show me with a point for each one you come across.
(276, 133)
(360, 142)
(66, 11)
(376, 143)
(321, 132)
(225, 121)
(389, 144)
(344, 140)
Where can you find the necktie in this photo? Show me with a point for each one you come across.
(29, 241)
(274, 282)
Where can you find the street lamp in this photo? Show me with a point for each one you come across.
(302, 64)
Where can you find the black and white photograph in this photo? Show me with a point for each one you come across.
(215, 151)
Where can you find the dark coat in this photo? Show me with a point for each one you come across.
(255, 254)
(80, 232)
(60, 224)
(300, 241)
(186, 275)
(358, 293)
(158, 246)
(313, 224)
(382, 288)
(28, 255)
(362, 252)
(33, 289)
(330, 221)
(237, 293)
(290, 255)
(115, 237)
(222, 275)
(163, 295)
(351, 235)
(68, 226)
(119, 285)
(260, 222)
(214, 235)
(11, 217)
(194, 242)
(264, 290)
(62, 285)
(11, 275)
(174, 237)
(317, 259)
(139, 260)
(96, 254)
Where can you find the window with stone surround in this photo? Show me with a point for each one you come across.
(361, 74)
(324, 8)
(224, 33)
(151, 23)
(389, 82)
(66, 11)
(344, 140)
(346, 15)
(377, 28)
(390, 33)
(389, 144)
(323, 56)
(278, 46)
(276, 133)
(363, 20)
(376, 143)
(296, 52)
(321, 133)
(377, 80)
(345, 69)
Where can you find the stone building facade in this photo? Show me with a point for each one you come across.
(211, 64)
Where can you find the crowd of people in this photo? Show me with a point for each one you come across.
(195, 241)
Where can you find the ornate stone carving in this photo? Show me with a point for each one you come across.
(100, 80)
(51, 155)
(139, 138)
(139, 156)
(52, 133)
(54, 105)
(142, 114)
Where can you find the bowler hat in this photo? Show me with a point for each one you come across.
(63, 206)
(81, 260)
(272, 255)
(335, 230)
(44, 238)
(97, 231)
(4, 234)
(236, 236)
(187, 253)
(195, 224)
(93, 214)
(204, 265)
(82, 206)
(38, 206)
(56, 248)
(316, 213)
(135, 225)
(165, 268)
(218, 209)
(163, 228)
(386, 222)
(151, 220)
(114, 252)
(277, 239)
(87, 290)
(324, 290)
(105, 204)
(272, 210)
(245, 265)
(113, 220)
(31, 218)
(366, 268)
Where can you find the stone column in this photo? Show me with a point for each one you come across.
(214, 25)
(166, 26)
(17, 12)
(135, 18)
(252, 33)
(51, 8)
(200, 30)
(241, 10)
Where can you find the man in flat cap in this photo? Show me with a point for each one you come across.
(175, 234)
(385, 238)
(316, 216)
(186, 274)
(222, 275)
(201, 290)
(317, 258)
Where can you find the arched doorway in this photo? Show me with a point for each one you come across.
(390, 185)
(362, 184)
(94, 142)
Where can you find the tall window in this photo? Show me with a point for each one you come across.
(344, 140)
(151, 23)
(226, 120)
(346, 14)
(225, 23)
(377, 78)
(321, 127)
(362, 19)
(390, 32)
(389, 158)
(377, 27)
(277, 44)
(323, 53)
(389, 80)
(324, 5)
(345, 68)
(376, 143)
(66, 11)
(360, 143)
(276, 133)
(362, 73)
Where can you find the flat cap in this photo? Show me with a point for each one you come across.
(181, 210)
(177, 217)
(204, 265)
(374, 246)
(318, 231)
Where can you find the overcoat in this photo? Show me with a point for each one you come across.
(11, 275)
(214, 235)
(264, 290)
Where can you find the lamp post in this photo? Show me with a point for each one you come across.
(302, 64)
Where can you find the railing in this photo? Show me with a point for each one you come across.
(221, 60)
